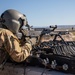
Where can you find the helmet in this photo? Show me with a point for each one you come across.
(13, 20)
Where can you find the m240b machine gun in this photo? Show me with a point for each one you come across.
(36, 34)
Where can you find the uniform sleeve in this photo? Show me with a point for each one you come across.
(1, 40)
(12, 46)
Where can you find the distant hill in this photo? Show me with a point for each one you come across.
(66, 27)
(62, 27)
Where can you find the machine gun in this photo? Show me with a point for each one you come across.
(36, 35)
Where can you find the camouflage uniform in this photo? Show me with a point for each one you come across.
(12, 45)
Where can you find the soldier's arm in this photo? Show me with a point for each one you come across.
(12, 46)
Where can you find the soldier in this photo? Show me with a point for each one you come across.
(11, 37)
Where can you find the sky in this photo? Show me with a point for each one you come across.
(42, 13)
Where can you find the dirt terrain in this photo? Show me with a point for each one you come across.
(67, 37)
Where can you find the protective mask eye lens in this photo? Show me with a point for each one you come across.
(19, 35)
(24, 27)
